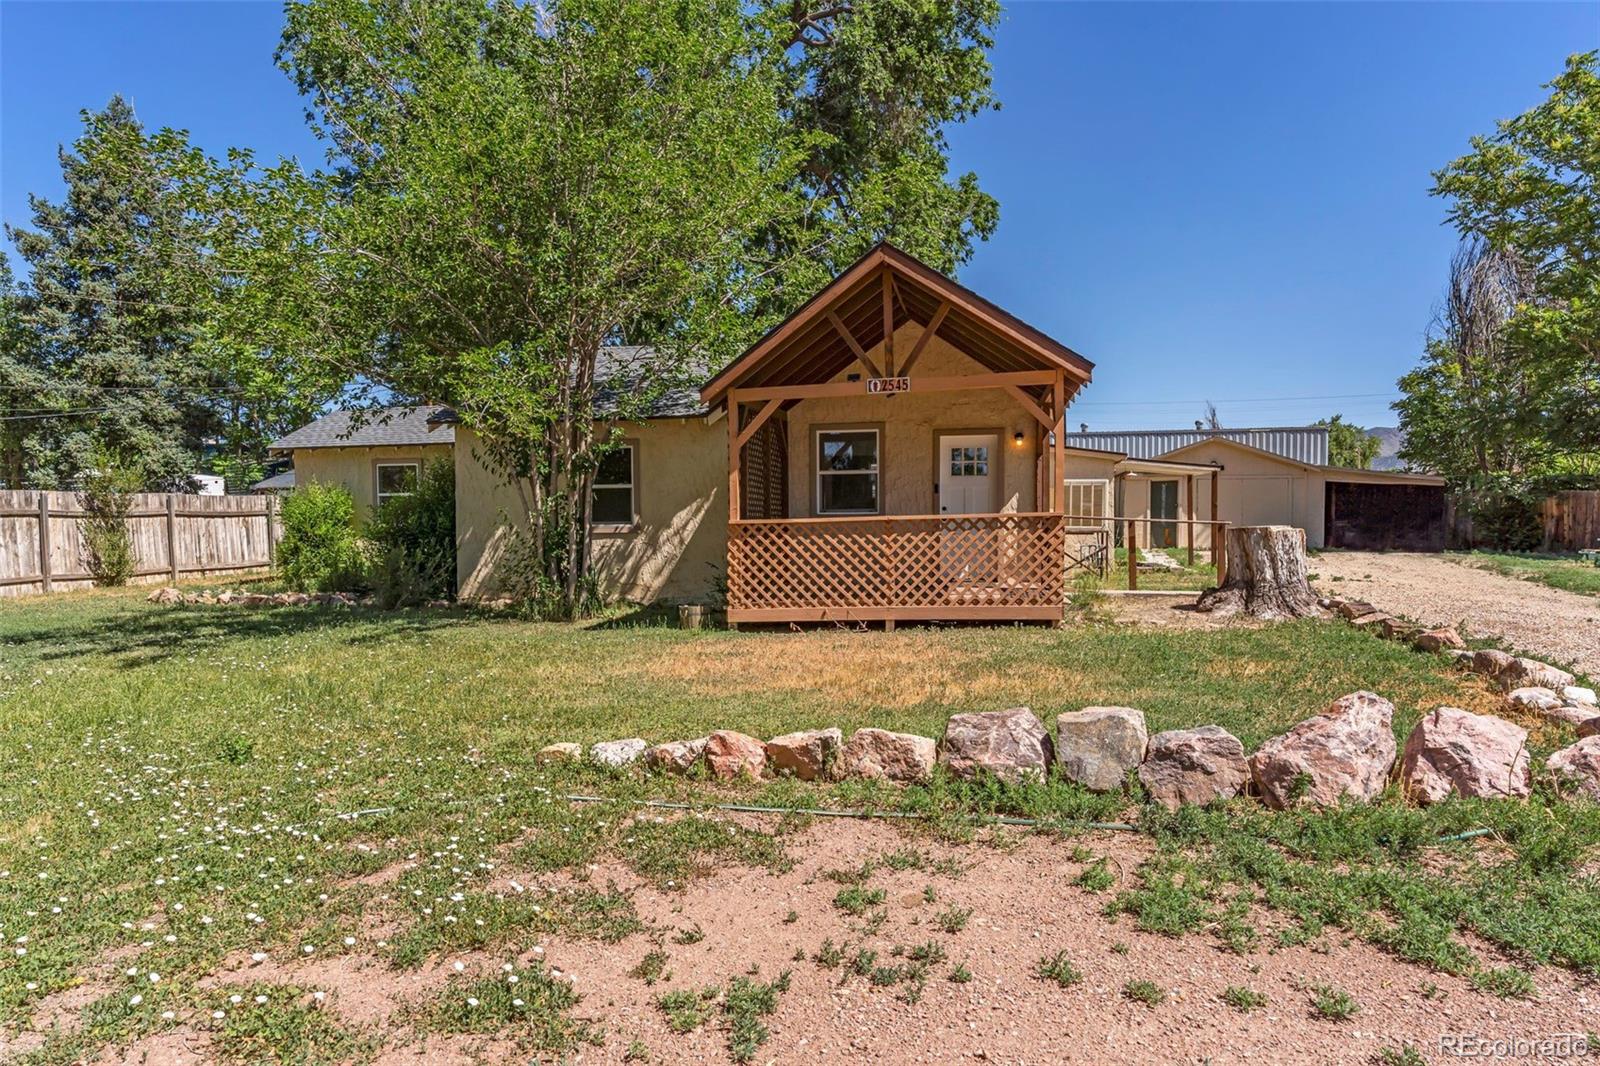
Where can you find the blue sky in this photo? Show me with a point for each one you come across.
(1211, 201)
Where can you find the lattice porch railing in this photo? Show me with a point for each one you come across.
(920, 566)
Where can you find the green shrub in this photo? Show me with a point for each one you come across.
(319, 551)
(106, 499)
(413, 541)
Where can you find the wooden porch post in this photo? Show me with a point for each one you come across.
(1133, 554)
(1188, 503)
(1216, 546)
(734, 454)
(1058, 488)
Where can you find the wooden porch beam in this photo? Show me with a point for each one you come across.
(1030, 405)
(766, 412)
(927, 334)
(888, 321)
(930, 384)
(855, 345)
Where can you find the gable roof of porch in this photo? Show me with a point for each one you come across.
(878, 294)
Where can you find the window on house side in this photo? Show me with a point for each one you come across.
(613, 489)
(397, 479)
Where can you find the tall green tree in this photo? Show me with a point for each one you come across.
(105, 363)
(515, 187)
(1349, 446)
(1511, 383)
(871, 86)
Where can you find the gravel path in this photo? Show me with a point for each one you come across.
(1561, 626)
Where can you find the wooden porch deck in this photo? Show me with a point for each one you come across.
(972, 567)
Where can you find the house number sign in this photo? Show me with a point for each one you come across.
(876, 386)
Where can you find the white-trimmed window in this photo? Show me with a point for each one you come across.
(847, 471)
(396, 479)
(613, 492)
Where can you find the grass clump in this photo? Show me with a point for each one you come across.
(1058, 968)
(1146, 992)
(856, 900)
(266, 1022)
(952, 919)
(1507, 982)
(651, 967)
(527, 1000)
(687, 1009)
(746, 1004)
(1096, 877)
(1244, 1000)
(959, 974)
(1333, 1003)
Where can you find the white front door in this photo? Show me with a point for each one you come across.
(968, 468)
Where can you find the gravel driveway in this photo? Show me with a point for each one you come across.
(1561, 626)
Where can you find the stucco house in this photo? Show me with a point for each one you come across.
(894, 450)
(375, 454)
(1258, 476)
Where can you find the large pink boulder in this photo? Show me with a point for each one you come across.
(1344, 753)
(676, 756)
(1455, 751)
(1579, 765)
(879, 755)
(1444, 639)
(1194, 766)
(1010, 744)
(731, 755)
(1522, 673)
(806, 755)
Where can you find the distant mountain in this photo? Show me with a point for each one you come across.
(1389, 441)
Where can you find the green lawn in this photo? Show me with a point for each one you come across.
(1202, 575)
(179, 772)
(1564, 571)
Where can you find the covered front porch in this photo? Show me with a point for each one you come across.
(895, 454)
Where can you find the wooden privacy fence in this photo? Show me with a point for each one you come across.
(1571, 522)
(173, 534)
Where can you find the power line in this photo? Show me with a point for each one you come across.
(1224, 399)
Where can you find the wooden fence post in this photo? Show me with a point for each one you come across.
(172, 535)
(1133, 555)
(272, 533)
(44, 542)
(1189, 503)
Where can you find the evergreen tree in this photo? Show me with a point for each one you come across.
(107, 365)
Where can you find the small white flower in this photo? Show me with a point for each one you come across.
(349, 941)
(261, 999)
(259, 956)
(472, 1001)
(308, 949)
(219, 1015)
(135, 999)
(319, 996)
(167, 1015)
(155, 978)
(516, 1003)
(236, 998)
(460, 966)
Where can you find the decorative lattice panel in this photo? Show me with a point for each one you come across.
(1005, 560)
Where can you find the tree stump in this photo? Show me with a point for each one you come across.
(1266, 575)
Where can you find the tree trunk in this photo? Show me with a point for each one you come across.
(1266, 575)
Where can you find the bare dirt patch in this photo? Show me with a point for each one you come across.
(1020, 904)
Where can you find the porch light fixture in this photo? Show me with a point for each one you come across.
(1016, 438)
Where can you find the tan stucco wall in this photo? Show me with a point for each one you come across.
(910, 424)
(1252, 490)
(355, 468)
(679, 548)
(676, 551)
